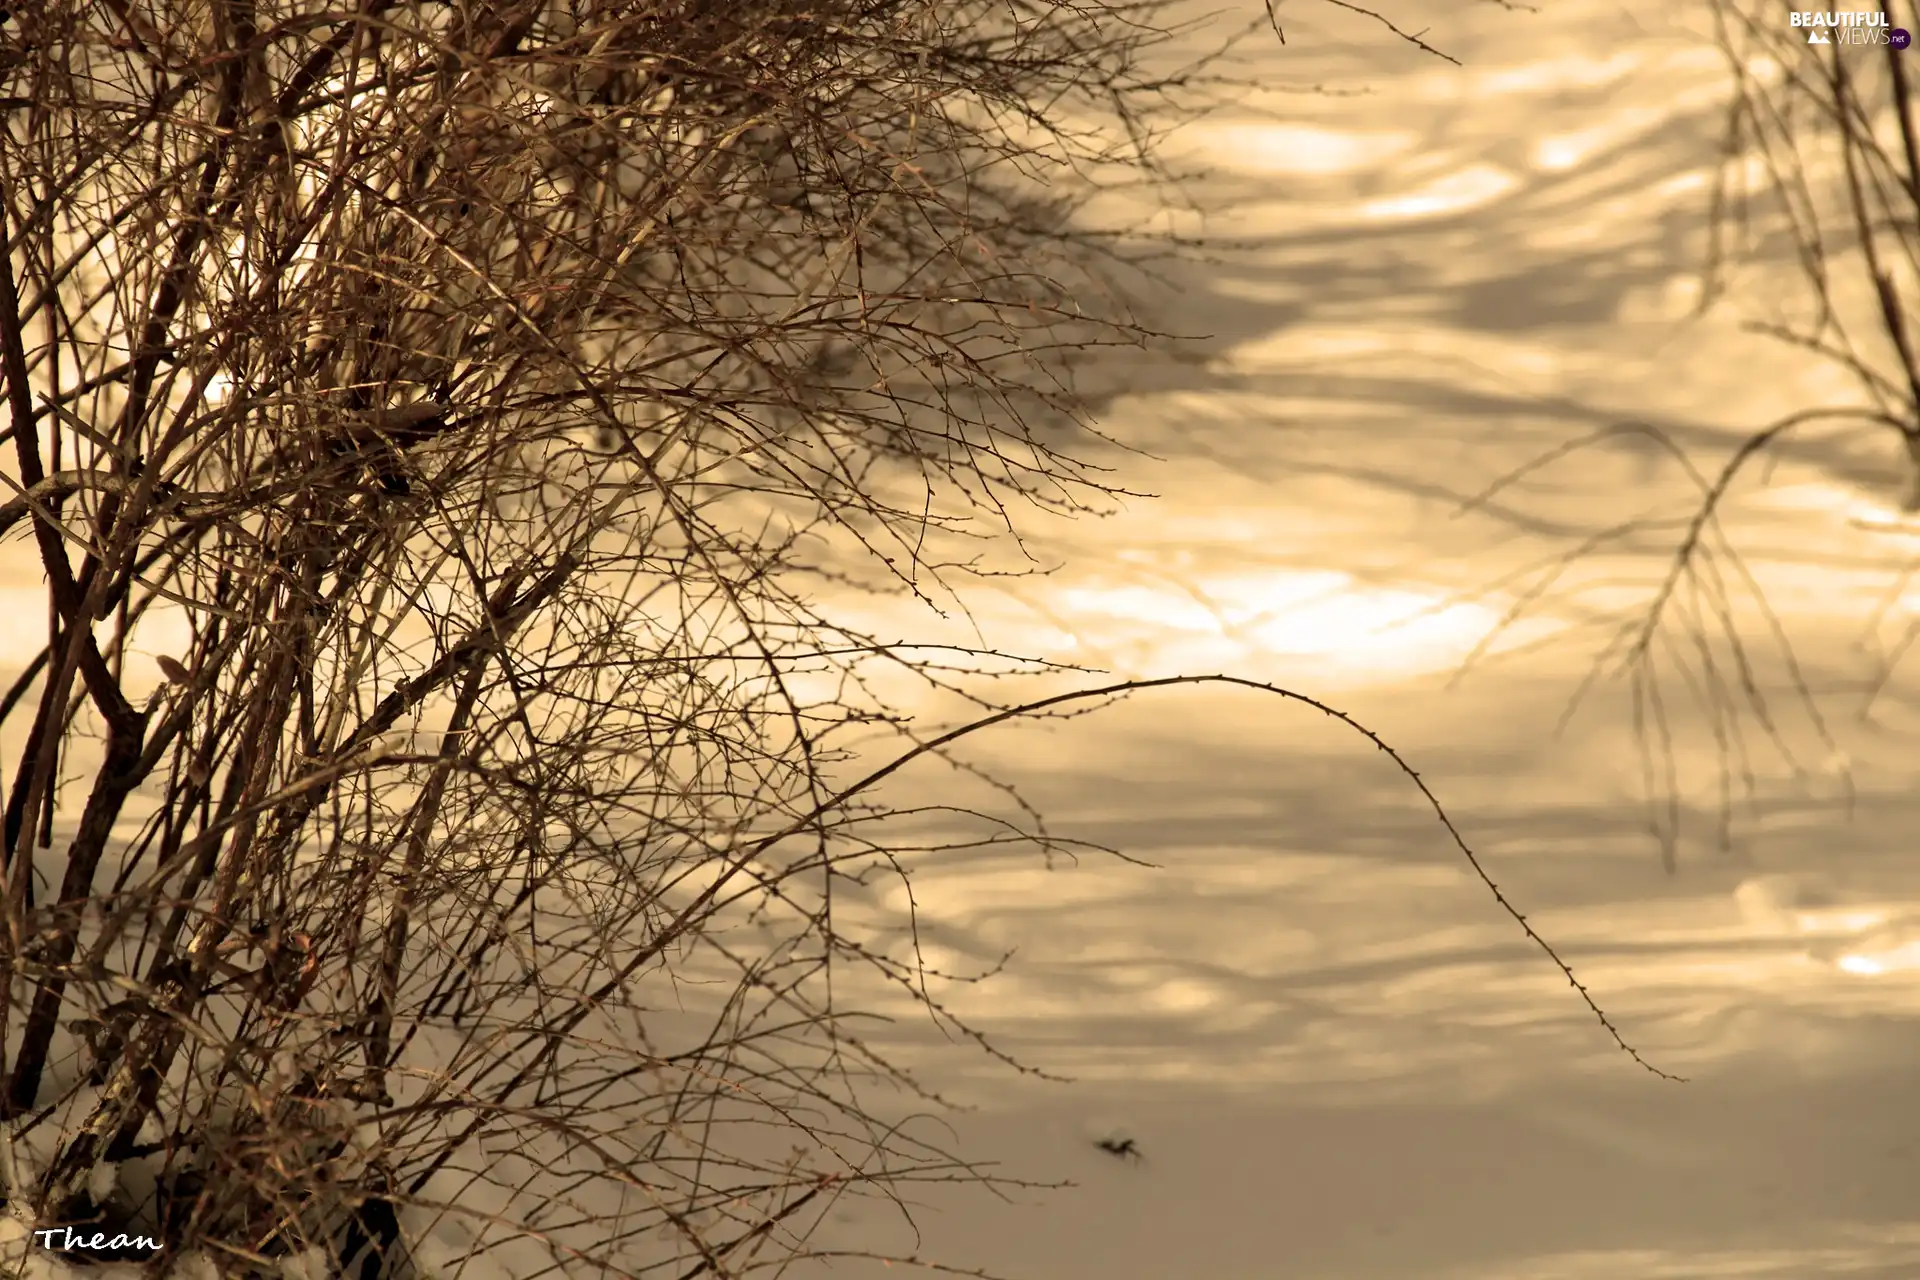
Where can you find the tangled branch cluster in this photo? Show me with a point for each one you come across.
(430, 420)
(506, 369)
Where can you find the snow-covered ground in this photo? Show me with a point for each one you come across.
(1335, 1056)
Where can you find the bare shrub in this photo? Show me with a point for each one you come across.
(1821, 169)
(1813, 237)
(433, 421)
(1817, 201)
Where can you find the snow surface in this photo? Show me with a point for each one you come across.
(1336, 1058)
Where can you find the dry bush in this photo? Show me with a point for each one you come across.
(1814, 218)
(1821, 170)
(433, 421)
(1813, 237)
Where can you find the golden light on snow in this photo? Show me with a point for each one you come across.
(1555, 154)
(1897, 951)
(1557, 74)
(1373, 625)
(1456, 192)
(1299, 148)
(1338, 624)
